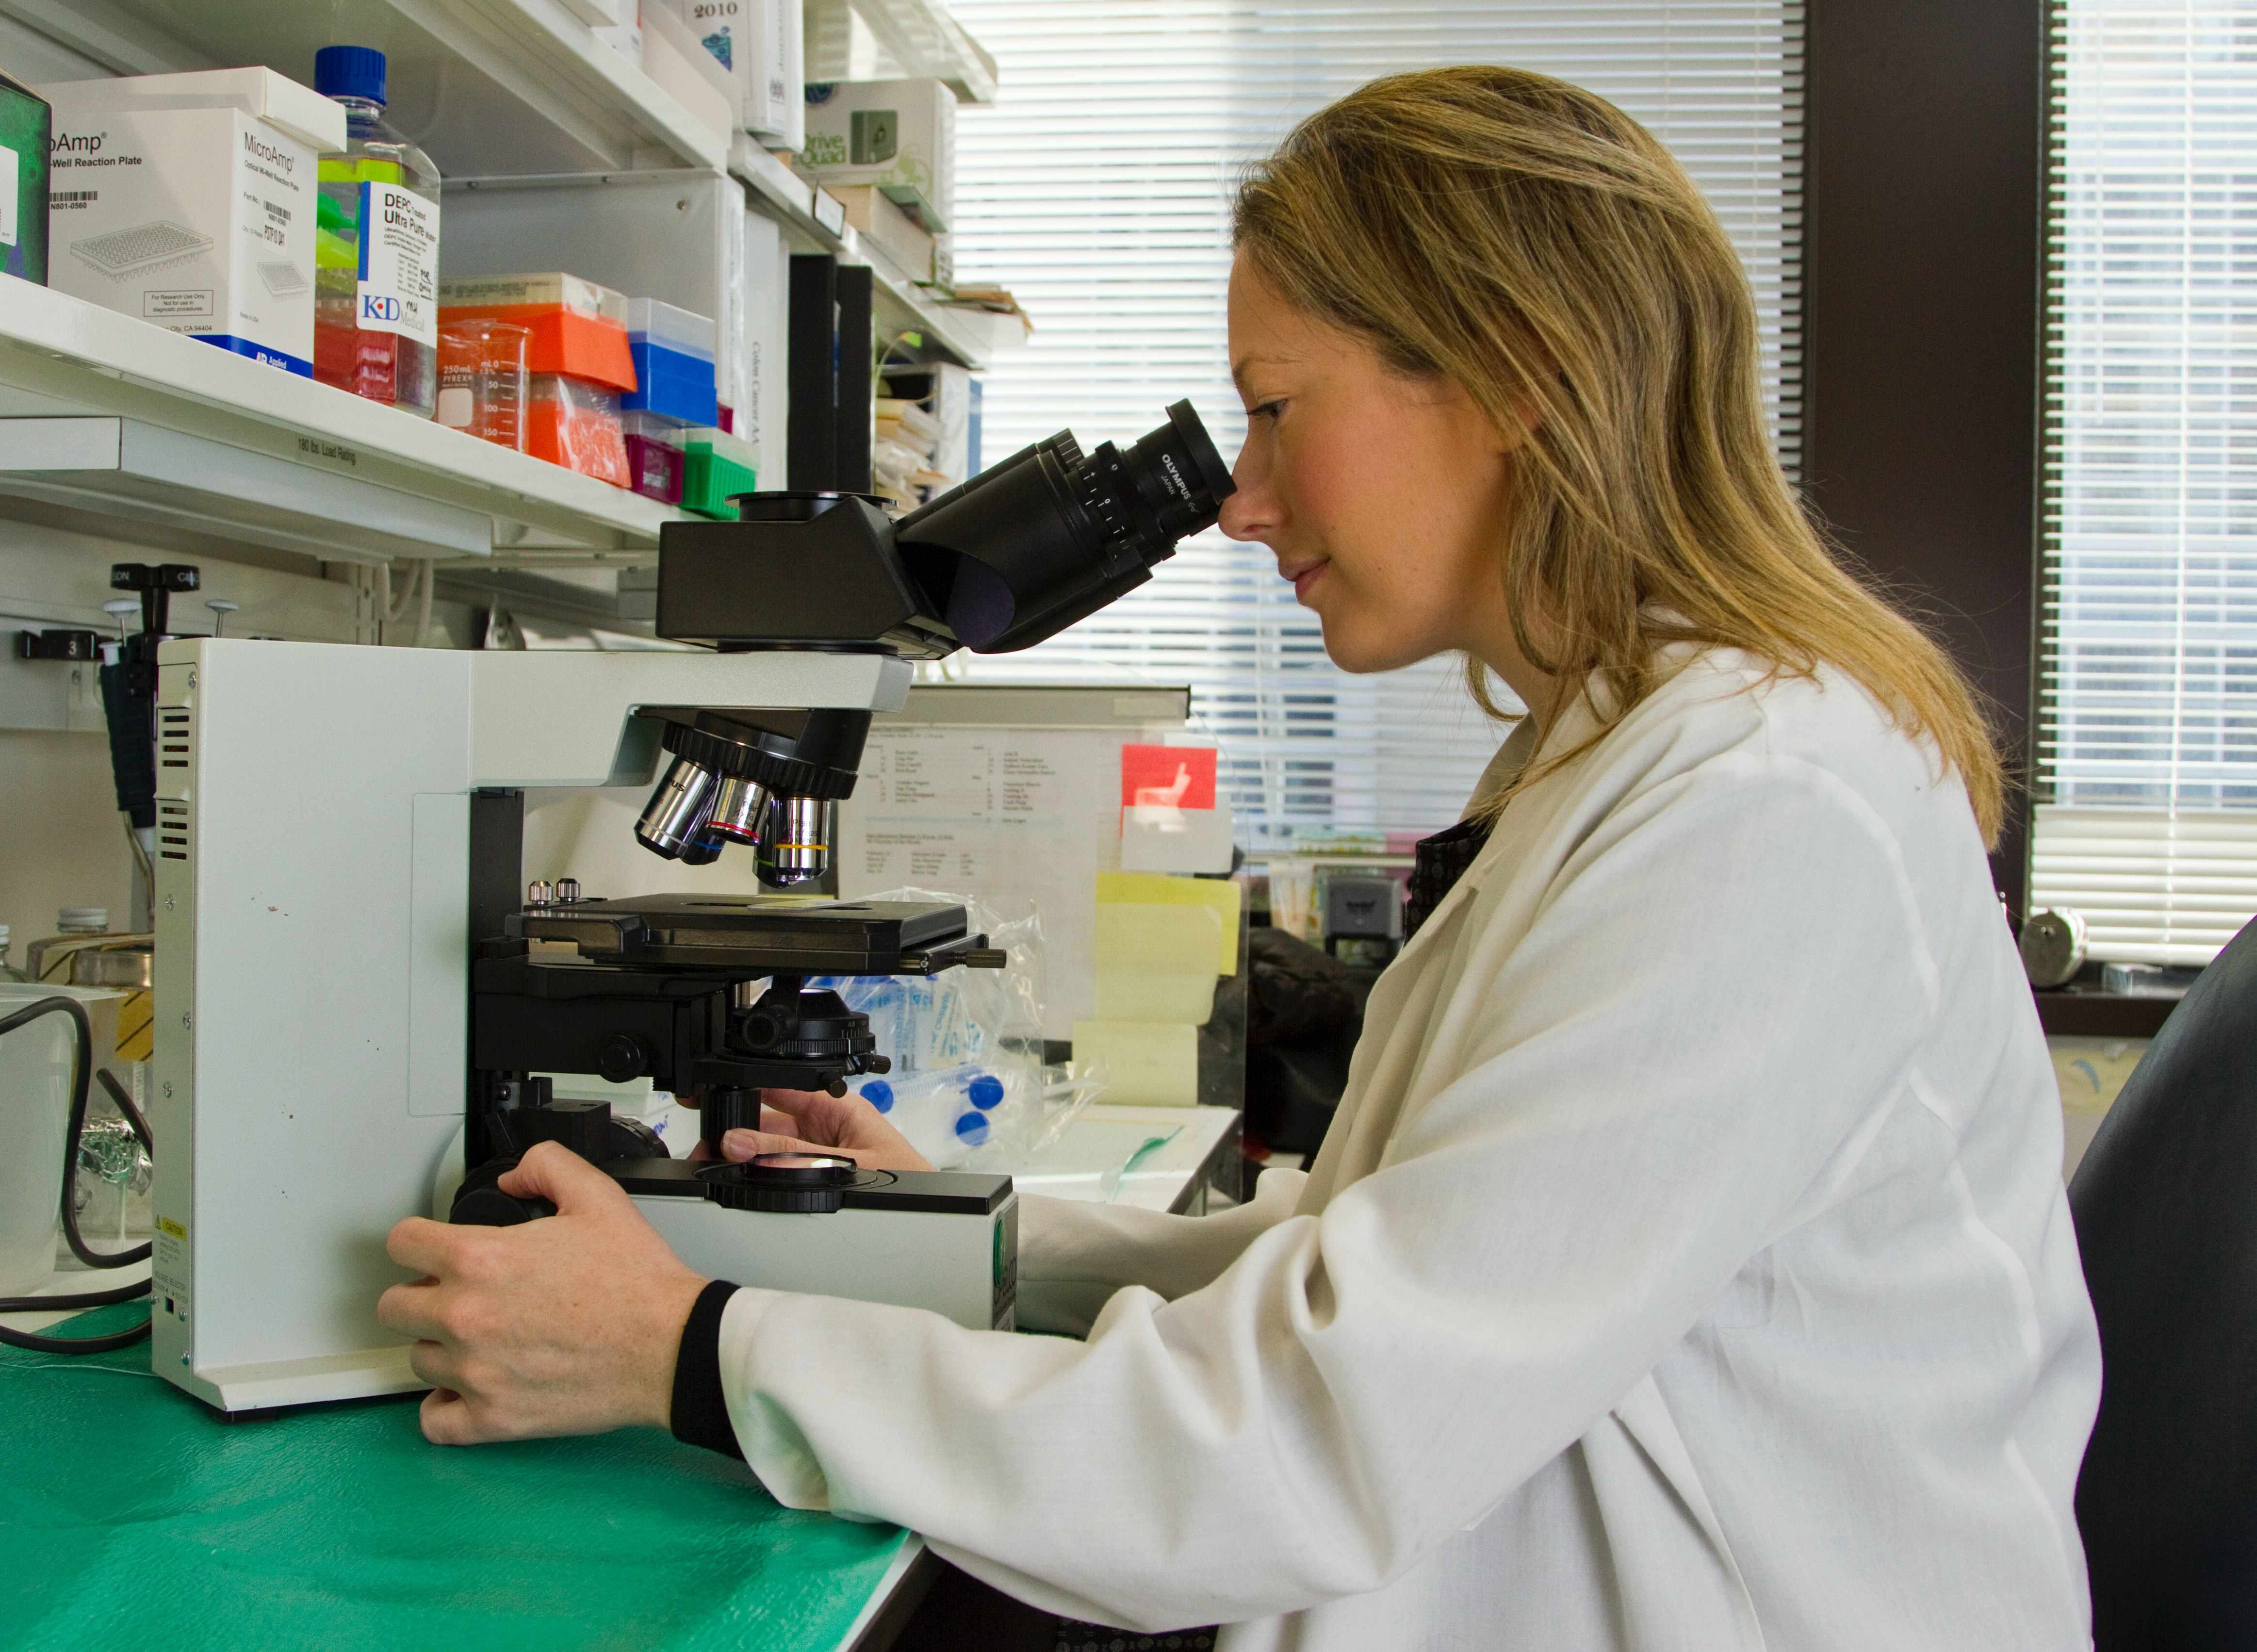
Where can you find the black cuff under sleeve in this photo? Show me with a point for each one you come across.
(701, 1409)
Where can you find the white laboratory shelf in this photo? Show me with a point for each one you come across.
(925, 40)
(187, 435)
(486, 86)
(523, 87)
(902, 304)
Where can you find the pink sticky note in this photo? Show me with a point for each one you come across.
(1178, 777)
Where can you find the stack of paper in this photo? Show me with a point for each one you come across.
(1161, 943)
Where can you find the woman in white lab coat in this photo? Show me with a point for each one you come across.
(1688, 1265)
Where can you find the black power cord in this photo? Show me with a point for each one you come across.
(81, 1083)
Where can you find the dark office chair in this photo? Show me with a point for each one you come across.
(2166, 1208)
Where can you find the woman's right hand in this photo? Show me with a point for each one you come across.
(815, 1121)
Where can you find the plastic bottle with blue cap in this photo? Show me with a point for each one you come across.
(376, 248)
(945, 1115)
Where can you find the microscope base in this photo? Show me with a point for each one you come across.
(931, 1239)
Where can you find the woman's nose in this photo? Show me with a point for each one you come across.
(1252, 512)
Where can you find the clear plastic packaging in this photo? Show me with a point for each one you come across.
(968, 1086)
(376, 283)
(483, 382)
(575, 422)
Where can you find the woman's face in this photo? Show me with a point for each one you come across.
(1383, 496)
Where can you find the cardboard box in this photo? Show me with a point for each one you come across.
(884, 131)
(687, 73)
(885, 226)
(317, 122)
(24, 146)
(761, 43)
(189, 200)
(624, 37)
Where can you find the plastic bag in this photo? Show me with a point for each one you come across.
(968, 1086)
(1041, 1118)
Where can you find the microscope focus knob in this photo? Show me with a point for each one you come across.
(492, 1208)
(622, 1059)
(481, 1203)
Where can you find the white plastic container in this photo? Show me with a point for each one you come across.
(35, 1094)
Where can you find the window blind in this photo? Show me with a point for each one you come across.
(2147, 818)
(1098, 188)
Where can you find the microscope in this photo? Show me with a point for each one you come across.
(361, 1002)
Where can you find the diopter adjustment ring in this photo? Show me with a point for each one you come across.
(1097, 483)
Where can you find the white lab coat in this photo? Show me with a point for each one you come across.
(1687, 1266)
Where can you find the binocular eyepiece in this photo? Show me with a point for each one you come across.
(1010, 559)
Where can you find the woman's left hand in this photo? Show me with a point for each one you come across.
(567, 1325)
(817, 1121)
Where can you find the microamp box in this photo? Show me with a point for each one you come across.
(189, 200)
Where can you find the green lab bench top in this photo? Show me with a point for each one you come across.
(132, 1515)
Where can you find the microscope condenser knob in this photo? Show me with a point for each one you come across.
(622, 1059)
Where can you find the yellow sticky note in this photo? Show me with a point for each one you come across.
(1146, 1066)
(1155, 962)
(1158, 888)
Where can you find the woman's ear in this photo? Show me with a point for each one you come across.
(1526, 403)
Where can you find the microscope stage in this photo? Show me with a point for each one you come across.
(761, 934)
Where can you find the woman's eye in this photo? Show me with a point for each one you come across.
(1267, 410)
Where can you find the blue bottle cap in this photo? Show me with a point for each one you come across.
(972, 1127)
(985, 1091)
(880, 1094)
(350, 71)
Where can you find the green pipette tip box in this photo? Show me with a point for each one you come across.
(709, 478)
(25, 130)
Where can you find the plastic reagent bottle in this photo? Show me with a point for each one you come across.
(943, 1114)
(376, 252)
(8, 972)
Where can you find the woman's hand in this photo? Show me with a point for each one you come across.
(566, 1325)
(815, 1121)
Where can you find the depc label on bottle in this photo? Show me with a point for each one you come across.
(399, 290)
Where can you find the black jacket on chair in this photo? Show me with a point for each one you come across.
(2166, 1208)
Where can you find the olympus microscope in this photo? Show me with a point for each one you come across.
(357, 1003)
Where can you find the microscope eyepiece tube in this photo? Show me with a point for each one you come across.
(795, 840)
(674, 818)
(739, 805)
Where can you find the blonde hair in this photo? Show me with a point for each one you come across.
(1534, 244)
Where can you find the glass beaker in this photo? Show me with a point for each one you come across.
(482, 380)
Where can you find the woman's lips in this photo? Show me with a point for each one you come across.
(1304, 577)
